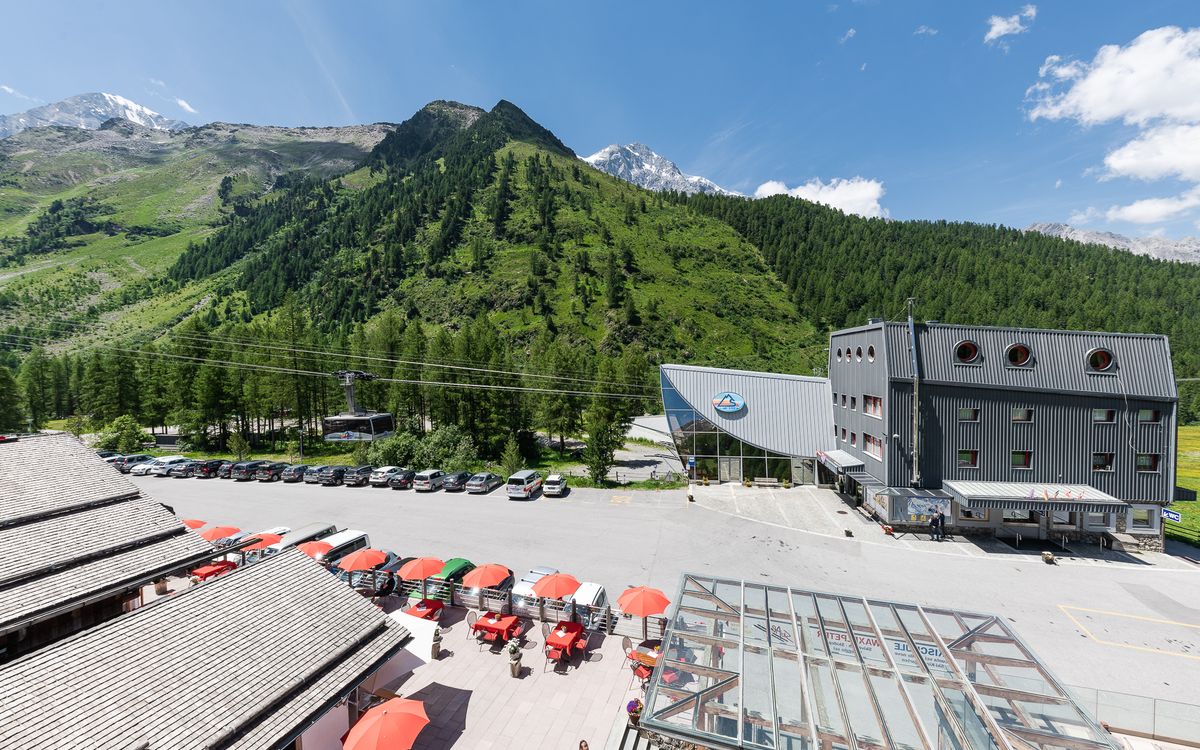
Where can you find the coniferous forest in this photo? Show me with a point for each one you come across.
(499, 285)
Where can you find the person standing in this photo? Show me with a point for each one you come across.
(933, 528)
(941, 524)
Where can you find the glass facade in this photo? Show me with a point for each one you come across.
(720, 456)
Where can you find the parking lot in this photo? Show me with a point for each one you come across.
(620, 538)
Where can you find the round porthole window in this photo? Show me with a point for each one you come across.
(1018, 355)
(966, 352)
(1100, 360)
(870, 354)
(839, 355)
(858, 354)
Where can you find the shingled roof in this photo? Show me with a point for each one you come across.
(73, 529)
(244, 661)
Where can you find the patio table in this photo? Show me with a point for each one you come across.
(426, 609)
(564, 635)
(212, 570)
(645, 653)
(500, 625)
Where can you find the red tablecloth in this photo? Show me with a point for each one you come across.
(426, 609)
(645, 655)
(204, 572)
(502, 626)
(564, 635)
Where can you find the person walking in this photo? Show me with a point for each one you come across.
(933, 528)
(941, 524)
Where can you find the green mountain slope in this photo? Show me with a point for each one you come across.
(144, 196)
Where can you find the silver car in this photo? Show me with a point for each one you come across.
(429, 480)
(483, 483)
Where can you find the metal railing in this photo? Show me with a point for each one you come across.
(1139, 715)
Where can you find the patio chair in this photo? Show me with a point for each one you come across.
(553, 656)
(545, 630)
(627, 647)
(472, 618)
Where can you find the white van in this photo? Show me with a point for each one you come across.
(524, 484)
(306, 533)
(344, 542)
(595, 598)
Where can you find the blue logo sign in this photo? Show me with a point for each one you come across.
(1172, 515)
(728, 402)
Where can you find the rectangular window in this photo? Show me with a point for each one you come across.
(873, 406)
(1022, 459)
(1098, 520)
(843, 434)
(873, 445)
(1147, 462)
(968, 415)
(835, 399)
(854, 403)
(1022, 415)
(968, 459)
(1141, 518)
(1020, 516)
(1149, 416)
(843, 401)
(1102, 462)
(854, 439)
(1104, 416)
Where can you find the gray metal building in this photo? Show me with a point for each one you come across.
(1042, 433)
(729, 425)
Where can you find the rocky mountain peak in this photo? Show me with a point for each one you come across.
(641, 165)
(87, 111)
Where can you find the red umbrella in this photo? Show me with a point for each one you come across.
(422, 567)
(219, 532)
(264, 541)
(643, 601)
(193, 523)
(393, 725)
(364, 559)
(312, 549)
(556, 586)
(486, 576)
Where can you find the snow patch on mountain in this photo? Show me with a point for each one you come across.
(88, 111)
(638, 164)
(1186, 249)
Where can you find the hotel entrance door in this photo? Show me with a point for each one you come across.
(729, 469)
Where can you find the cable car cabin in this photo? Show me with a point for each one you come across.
(352, 427)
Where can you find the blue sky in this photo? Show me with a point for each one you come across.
(953, 110)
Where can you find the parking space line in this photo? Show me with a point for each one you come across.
(1066, 610)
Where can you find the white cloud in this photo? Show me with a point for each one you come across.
(185, 106)
(924, 30)
(1152, 210)
(1159, 152)
(856, 195)
(159, 82)
(1002, 26)
(1058, 183)
(850, 34)
(13, 92)
(864, 67)
(1086, 216)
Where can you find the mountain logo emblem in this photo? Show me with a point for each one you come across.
(728, 402)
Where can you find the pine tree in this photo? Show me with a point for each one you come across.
(12, 418)
(510, 460)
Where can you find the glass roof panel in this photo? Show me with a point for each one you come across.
(896, 715)
(788, 680)
(758, 700)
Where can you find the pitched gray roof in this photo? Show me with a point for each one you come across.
(75, 527)
(1142, 361)
(48, 473)
(242, 661)
(785, 414)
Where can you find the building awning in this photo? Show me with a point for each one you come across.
(920, 492)
(1039, 496)
(838, 461)
(865, 480)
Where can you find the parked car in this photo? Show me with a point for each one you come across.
(207, 469)
(271, 472)
(595, 598)
(456, 481)
(523, 589)
(524, 484)
(107, 454)
(143, 468)
(555, 486)
(428, 480)
(441, 584)
(307, 533)
(183, 469)
(245, 470)
(344, 542)
(128, 462)
(381, 475)
(225, 470)
(113, 458)
(332, 475)
(313, 474)
(163, 466)
(402, 480)
(294, 473)
(357, 476)
(483, 483)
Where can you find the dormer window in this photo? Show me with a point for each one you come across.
(966, 352)
(839, 355)
(1018, 355)
(1100, 360)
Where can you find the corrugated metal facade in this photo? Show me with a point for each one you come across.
(1142, 365)
(858, 368)
(784, 414)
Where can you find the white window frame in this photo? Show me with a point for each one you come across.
(1154, 413)
(1111, 525)
(1022, 409)
(1014, 467)
(1157, 464)
(1112, 465)
(975, 409)
(958, 465)
(1155, 518)
(1113, 412)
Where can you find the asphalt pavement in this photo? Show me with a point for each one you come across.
(1125, 628)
